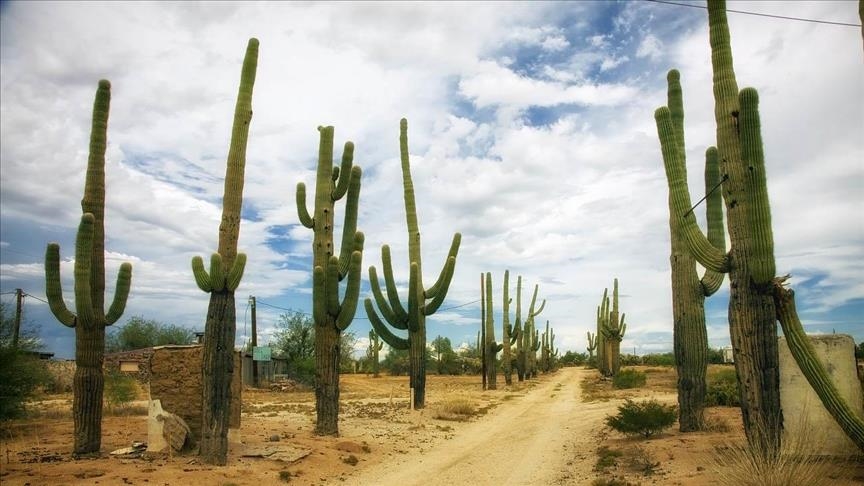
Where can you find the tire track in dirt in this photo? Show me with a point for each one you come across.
(546, 437)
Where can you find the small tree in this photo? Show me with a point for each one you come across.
(139, 333)
(295, 341)
(20, 372)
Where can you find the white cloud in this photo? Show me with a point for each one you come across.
(651, 47)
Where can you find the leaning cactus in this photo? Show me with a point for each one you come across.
(688, 291)
(375, 346)
(226, 270)
(510, 333)
(414, 318)
(491, 347)
(90, 318)
(750, 262)
(331, 316)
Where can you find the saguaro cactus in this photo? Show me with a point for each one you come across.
(527, 344)
(612, 330)
(592, 345)
(602, 318)
(226, 270)
(688, 290)
(331, 316)
(492, 348)
(90, 318)
(422, 301)
(750, 261)
(510, 333)
(375, 346)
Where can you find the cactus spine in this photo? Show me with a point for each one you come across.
(750, 262)
(414, 318)
(89, 319)
(688, 291)
(510, 334)
(492, 348)
(375, 346)
(331, 316)
(226, 270)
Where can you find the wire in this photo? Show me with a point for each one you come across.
(800, 19)
(37, 298)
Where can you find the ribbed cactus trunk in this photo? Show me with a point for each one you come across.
(519, 330)
(602, 318)
(750, 262)
(688, 291)
(412, 319)
(492, 348)
(331, 316)
(89, 319)
(226, 270)
(509, 334)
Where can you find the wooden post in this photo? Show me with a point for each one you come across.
(254, 343)
(19, 304)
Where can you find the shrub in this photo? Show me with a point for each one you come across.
(642, 418)
(457, 409)
(722, 390)
(659, 359)
(21, 374)
(628, 379)
(630, 360)
(120, 389)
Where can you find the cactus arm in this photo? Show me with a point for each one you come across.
(762, 266)
(346, 172)
(121, 294)
(202, 278)
(805, 355)
(319, 305)
(350, 234)
(436, 302)
(302, 212)
(232, 280)
(705, 253)
(413, 304)
(83, 257)
(217, 275)
(381, 329)
(711, 281)
(392, 293)
(352, 292)
(53, 287)
(331, 286)
(443, 282)
(386, 312)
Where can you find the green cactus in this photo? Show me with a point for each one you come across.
(812, 368)
(422, 301)
(688, 291)
(548, 352)
(226, 270)
(330, 315)
(89, 319)
(750, 262)
(592, 345)
(375, 346)
(602, 324)
(492, 348)
(529, 342)
(613, 332)
(510, 334)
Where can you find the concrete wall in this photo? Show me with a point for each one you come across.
(175, 380)
(803, 412)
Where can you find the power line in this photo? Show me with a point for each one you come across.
(758, 14)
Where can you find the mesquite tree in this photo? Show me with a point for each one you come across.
(226, 270)
(331, 316)
(90, 318)
(422, 301)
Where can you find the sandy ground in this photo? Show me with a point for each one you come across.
(540, 432)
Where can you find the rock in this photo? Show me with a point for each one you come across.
(274, 438)
(174, 430)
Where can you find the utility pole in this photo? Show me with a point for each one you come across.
(254, 343)
(19, 304)
(482, 342)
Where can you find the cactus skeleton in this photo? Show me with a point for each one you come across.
(422, 301)
(226, 270)
(89, 319)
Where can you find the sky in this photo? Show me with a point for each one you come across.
(531, 132)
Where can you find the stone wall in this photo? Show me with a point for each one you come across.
(141, 356)
(804, 416)
(175, 380)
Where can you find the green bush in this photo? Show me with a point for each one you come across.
(722, 389)
(120, 389)
(628, 379)
(21, 374)
(642, 418)
(659, 359)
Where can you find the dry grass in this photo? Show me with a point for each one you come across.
(457, 409)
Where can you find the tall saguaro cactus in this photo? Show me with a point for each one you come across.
(688, 290)
(530, 337)
(510, 333)
(750, 261)
(592, 345)
(89, 319)
(492, 347)
(331, 316)
(422, 301)
(375, 346)
(612, 330)
(226, 270)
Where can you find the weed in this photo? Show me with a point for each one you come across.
(351, 460)
(606, 458)
(642, 418)
(611, 482)
(722, 389)
(458, 409)
(628, 378)
(285, 476)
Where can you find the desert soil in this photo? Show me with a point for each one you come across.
(539, 432)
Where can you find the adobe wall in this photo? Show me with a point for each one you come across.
(141, 356)
(803, 412)
(175, 380)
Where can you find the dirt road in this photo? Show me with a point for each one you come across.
(546, 437)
